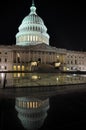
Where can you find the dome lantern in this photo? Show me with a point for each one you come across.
(33, 8)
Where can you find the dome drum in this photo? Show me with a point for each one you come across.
(31, 38)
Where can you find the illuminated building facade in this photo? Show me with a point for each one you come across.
(32, 46)
(76, 60)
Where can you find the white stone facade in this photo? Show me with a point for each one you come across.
(18, 58)
(76, 61)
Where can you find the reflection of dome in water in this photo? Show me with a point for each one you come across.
(32, 111)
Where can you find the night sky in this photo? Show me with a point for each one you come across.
(65, 21)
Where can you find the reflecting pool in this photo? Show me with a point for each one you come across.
(31, 101)
(39, 79)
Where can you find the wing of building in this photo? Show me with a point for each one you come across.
(32, 49)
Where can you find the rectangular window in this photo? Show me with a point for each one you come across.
(36, 104)
(30, 104)
(33, 104)
(5, 67)
(5, 60)
(24, 104)
(14, 67)
(28, 38)
(36, 38)
(19, 67)
(19, 75)
(27, 104)
(23, 74)
(33, 38)
(23, 68)
(14, 75)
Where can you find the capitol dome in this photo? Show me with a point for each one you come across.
(32, 30)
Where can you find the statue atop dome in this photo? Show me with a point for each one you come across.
(33, 4)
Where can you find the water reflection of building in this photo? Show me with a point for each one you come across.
(32, 111)
(32, 45)
(40, 79)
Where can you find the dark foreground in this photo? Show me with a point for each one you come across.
(66, 111)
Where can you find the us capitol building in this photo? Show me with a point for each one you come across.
(32, 49)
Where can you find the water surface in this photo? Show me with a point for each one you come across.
(42, 101)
